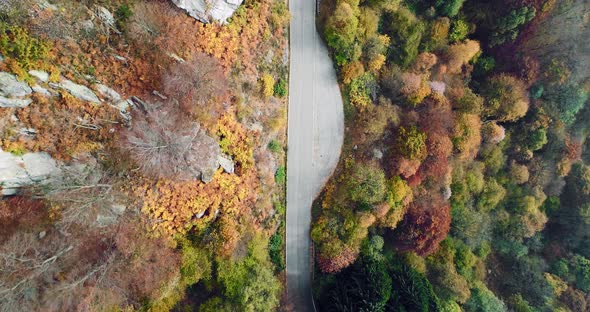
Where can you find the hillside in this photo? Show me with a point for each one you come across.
(142, 156)
(463, 180)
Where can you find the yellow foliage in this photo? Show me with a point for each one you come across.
(235, 141)
(267, 84)
(376, 63)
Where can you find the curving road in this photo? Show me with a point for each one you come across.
(315, 136)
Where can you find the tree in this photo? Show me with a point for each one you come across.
(411, 291)
(449, 8)
(163, 149)
(506, 98)
(340, 32)
(519, 174)
(365, 286)
(460, 54)
(405, 31)
(483, 300)
(507, 26)
(366, 185)
(459, 31)
(411, 143)
(196, 82)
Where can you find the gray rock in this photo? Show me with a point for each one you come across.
(41, 90)
(42, 234)
(105, 16)
(87, 25)
(108, 93)
(208, 11)
(438, 87)
(377, 153)
(203, 157)
(11, 87)
(226, 163)
(103, 220)
(200, 214)
(45, 5)
(118, 209)
(79, 91)
(17, 171)
(39, 74)
(27, 131)
(7, 103)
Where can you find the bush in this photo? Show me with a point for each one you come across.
(274, 146)
(281, 175)
(280, 88)
(275, 248)
(122, 14)
(459, 31)
(267, 85)
(506, 97)
(15, 42)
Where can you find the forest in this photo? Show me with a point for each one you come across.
(464, 182)
(141, 156)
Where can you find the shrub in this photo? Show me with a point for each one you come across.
(123, 14)
(28, 51)
(280, 88)
(267, 85)
(281, 175)
(459, 31)
(274, 146)
(405, 31)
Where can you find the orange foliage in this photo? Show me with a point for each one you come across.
(65, 126)
(334, 264)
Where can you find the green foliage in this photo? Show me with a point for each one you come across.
(411, 143)
(195, 264)
(536, 139)
(398, 189)
(518, 304)
(15, 42)
(123, 14)
(411, 291)
(508, 26)
(366, 185)
(340, 31)
(281, 175)
(449, 8)
(405, 31)
(365, 286)
(274, 146)
(459, 31)
(581, 268)
(275, 248)
(280, 88)
(483, 300)
(360, 90)
(566, 101)
(249, 283)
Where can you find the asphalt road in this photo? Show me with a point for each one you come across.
(315, 136)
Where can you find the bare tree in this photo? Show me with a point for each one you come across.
(195, 82)
(166, 145)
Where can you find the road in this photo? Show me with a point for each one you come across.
(315, 136)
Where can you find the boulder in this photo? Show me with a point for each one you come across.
(11, 87)
(208, 11)
(203, 157)
(108, 93)
(8, 103)
(28, 169)
(226, 163)
(39, 74)
(41, 90)
(105, 16)
(79, 91)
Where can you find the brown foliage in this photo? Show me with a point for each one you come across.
(197, 84)
(334, 264)
(18, 212)
(460, 54)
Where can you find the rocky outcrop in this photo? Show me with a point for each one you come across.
(28, 169)
(10, 86)
(203, 157)
(79, 91)
(208, 11)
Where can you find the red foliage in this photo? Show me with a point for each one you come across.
(20, 211)
(425, 225)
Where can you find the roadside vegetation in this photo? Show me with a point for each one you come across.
(462, 184)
